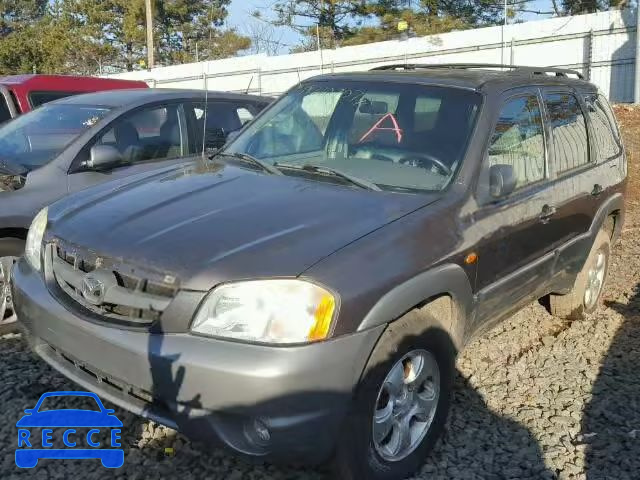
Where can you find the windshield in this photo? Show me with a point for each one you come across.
(400, 137)
(37, 137)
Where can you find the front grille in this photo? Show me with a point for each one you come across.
(107, 289)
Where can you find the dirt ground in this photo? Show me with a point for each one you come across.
(535, 398)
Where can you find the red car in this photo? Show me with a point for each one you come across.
(22, 93)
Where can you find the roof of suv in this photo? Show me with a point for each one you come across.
(119, 98)
(471, 76)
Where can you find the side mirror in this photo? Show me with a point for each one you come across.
(102, 157)
(29, 411)
(502, 180)
(109, 411)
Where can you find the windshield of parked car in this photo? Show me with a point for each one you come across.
(397, 136)
(36, 138)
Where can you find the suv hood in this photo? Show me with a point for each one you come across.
(210, 224)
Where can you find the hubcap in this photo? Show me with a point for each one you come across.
(595, 280)
(406, 405)
(7, 313)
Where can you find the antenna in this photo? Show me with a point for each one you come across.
(249, 86)
(204, 117)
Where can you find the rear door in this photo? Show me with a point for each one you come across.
(574, 172)
(515, 255)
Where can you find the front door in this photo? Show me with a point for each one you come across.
(147, 138)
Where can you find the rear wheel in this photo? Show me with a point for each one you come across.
(401, 404)
(587, 289)
(10, 250)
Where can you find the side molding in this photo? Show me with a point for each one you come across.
(448, 279)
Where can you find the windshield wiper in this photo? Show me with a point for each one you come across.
(245, 157)
(322, 169)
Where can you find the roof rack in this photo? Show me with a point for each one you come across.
(558, 72)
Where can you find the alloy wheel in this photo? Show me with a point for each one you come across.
(406, 405)
(595, 280)
(7, 312)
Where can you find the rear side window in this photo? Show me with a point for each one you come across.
(518, 140)
(38, 98)
(222, 117)
(568, 131)
(605, 131)
(426, 113)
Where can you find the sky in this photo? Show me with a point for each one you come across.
(240, 18)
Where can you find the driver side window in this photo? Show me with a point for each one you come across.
(149, 134)
(518, 140)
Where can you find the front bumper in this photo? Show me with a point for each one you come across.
(206, 388)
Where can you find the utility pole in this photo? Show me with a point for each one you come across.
(149, 12)
(504, 24)
(636, 89)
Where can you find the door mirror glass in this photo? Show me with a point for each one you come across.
(502, 180)
(103, 157)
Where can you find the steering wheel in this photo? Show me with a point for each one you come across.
(419, 160)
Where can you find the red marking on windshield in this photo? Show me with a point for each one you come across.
(377, 126)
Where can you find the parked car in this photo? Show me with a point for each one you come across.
(305, 294)
(23, 93)
(72, 143)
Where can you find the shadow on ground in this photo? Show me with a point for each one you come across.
(477, 444)
(611, 420)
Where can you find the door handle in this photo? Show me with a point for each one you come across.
(547, 212)
(597, 190)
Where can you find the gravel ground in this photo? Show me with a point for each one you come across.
(535, 398)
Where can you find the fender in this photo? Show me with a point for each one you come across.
(449, 279)
(612, 204)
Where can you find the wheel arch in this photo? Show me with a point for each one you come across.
(444, 292)
(20, 233)
(609, 216)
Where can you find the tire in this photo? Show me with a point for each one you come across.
(358, 456)
(10, 249)
(574, 305)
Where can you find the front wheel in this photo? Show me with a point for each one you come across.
(401, 404)
(10, 250)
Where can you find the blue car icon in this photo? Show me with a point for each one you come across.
(68, 420)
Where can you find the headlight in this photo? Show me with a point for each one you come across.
(33, 248)
(270, 311)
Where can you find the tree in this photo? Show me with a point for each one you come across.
(15, 14)
(335, 18)
(188, 27)
(184, 30)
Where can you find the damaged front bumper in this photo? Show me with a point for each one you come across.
(282, 403)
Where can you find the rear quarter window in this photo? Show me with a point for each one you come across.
(605, 130)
